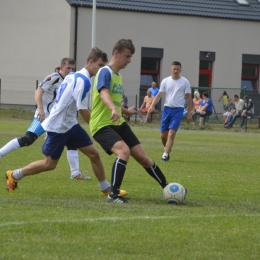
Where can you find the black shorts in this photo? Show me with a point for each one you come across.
(109, 135)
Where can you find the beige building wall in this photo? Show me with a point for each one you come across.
(35, 37)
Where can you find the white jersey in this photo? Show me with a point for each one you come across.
(175, 91)
(50, 86)
(71, 97)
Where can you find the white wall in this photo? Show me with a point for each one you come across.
(34, 38)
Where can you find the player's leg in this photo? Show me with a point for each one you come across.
(172, 120)
(111, 142)
(28, 139)
(73, 159)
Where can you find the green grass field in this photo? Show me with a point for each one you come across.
(53, 217)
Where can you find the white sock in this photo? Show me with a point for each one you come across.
(165, 155)
(9, 147)
(73, 159)
(104, 185)
(17, 174)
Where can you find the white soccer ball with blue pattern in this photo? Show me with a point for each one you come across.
(174, 193)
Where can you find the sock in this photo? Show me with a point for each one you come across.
(104, 185)
(118, 172)
(157, 174)
(73, 159)
(17, 174)
(165, 155)
(9, 147)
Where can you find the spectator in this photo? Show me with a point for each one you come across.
(57, 69)
(125, 100)
(148, 99)
(196, 104)
(224, 97)
(248, 110)
(205, 108)
(154, 91)
(228, 110)
(239, 104)
(185, 112)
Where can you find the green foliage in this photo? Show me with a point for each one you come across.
(52, 217)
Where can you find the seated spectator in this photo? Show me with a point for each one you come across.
(185, 112)
(205, 108)
(228, 110)
(239, 104)
(126, 117)
(148, 99)
(248, 110)
(196, 103)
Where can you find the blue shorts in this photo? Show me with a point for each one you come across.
(75, 138)
(36, 127)
(171, 118)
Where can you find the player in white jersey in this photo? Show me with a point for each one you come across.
(45, 96)
(63, 128)
(176, 88)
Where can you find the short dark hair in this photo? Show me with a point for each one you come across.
(123, 44)
(205, 94)
(236, 96)
(95, 54)
(176, 63)
(67, 60)
(246, 97)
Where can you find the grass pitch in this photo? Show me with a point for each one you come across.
(52, 217)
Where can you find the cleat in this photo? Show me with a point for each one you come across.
(108, 191)
(11, 184)
(80, 177)
(165, 158)
(116, 199)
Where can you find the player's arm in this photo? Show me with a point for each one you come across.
(85, 114)
(130, 111)
(155, 101)
(38, 99)
(105, 97)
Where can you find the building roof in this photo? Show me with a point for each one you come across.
(228, 9)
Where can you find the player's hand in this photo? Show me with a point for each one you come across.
(189, 118)
(41, 115)
(115, 116)
(151, 110)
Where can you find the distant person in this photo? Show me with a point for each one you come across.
(148, 99)
(57, 69)
(239, 104)
(176, 88)
(224, 97)
(185, 112)
(248, 110)
(228, 110)
(154, 91)
(205, 108)
(125, 100)
(196, 103)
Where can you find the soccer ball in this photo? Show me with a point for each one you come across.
(174, 193)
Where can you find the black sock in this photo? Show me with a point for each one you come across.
(118, 172)
(157, 174)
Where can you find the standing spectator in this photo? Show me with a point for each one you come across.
(224, 97)
(63, 128)
(196, 103)
(176, 88)
(228, 110)
(148, 99)
(109, 128)
(239, 104)
(248, 110)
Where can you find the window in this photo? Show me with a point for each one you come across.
(205, 74)
(250, 77)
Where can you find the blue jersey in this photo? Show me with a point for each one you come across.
(154, 91)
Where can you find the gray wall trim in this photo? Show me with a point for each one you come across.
(152, 52)
(251, 59)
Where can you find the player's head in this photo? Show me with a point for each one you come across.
(122, 52)
(95, 60)
(176, 69)
(67, 65)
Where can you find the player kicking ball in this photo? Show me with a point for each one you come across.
(63, 128)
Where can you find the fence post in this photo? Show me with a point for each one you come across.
(36, 89)
(136, 108)
(0, 91)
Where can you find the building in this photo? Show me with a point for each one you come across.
(217, 42)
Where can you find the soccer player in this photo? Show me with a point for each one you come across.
(176, 88)
(64, 130)
(108, 127)
(45, 96)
